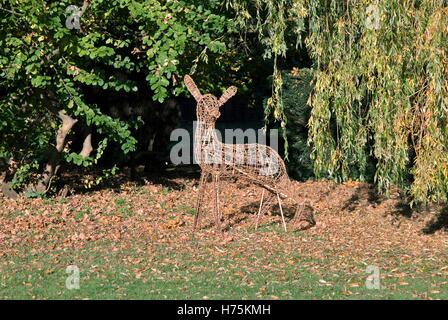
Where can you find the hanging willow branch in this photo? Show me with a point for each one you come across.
(271, 18)
(380, 100)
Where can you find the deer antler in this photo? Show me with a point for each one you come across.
(191, 86)
(230, 92)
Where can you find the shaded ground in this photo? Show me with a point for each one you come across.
(136, 242)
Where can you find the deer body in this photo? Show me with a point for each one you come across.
(257, 163)
(256, 160)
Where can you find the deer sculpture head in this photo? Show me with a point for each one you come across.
(207, 104)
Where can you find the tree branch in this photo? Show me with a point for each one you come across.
(52, 166)
(86, 146)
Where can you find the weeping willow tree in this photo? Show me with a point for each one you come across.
(380, 86)
(271, 19)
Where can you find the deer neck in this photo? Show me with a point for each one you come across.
(205, 131)
(205, 136)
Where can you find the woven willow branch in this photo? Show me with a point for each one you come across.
(256, 163)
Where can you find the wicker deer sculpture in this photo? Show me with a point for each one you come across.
(256, 163)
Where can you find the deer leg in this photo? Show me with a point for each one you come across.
(259, 210)
(216, 210)
(200, 198)
(264, 205)
(281, 211)
(297, 213)
(302, 216)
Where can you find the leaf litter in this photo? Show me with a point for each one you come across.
(352, 230)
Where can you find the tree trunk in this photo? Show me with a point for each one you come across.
(52, 166)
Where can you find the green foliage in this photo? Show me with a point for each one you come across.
(30, 194)
(79, 160)
(297, 89)
(23, 173)
(45, 66)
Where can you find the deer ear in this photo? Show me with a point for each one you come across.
(191, 86)
(230, 92)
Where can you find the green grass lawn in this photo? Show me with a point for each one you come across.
(110, 273)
